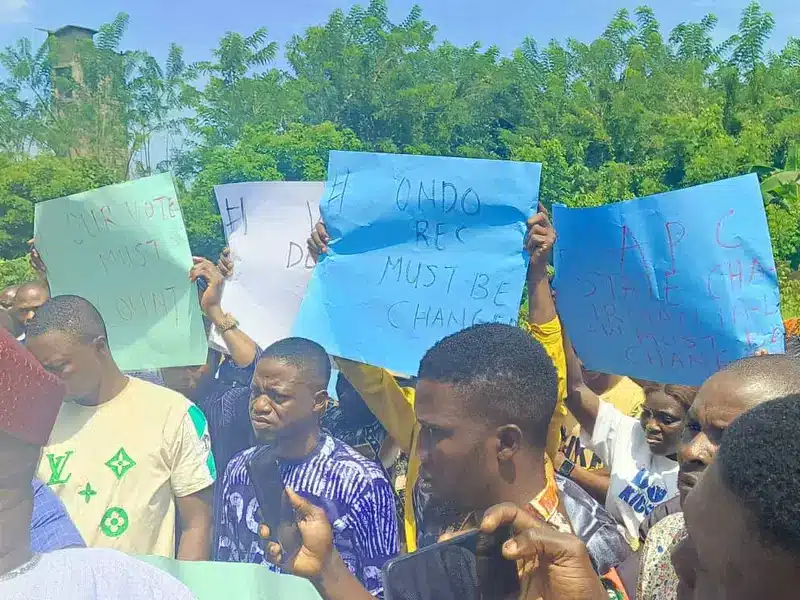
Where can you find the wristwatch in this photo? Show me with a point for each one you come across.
(227, 323)
(566, 468)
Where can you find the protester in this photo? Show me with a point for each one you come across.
(641, 454)
(29, 298)
(627, 396)
(484, 403)
(743, 530)
(426, 518)
(123, 452)
(30, 399)
(725, 396)
(289, 395)
(224, 404)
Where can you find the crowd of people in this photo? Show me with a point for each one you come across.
(614, 488)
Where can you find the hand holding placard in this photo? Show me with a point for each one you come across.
(420, 247)
(671, 287)
(124, 248)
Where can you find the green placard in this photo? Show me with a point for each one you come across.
(124, 248)
(234, 581)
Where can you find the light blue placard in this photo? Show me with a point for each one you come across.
(671, 287)
(421, 247)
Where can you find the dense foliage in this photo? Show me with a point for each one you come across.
(634, 112)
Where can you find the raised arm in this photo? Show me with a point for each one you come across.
(241, 346)
(582, 402)
(542, 316)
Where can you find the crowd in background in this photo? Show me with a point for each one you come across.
(615, 488)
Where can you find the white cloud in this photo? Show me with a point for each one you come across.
(13, 11)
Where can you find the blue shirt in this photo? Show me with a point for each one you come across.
(354, 492)
(51, 527)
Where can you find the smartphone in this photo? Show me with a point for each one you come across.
(274, 507)
(467, 567)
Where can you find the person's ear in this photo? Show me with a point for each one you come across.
(509, 441)
(321, 400)
(100, 344)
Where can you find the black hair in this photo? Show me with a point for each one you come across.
(759, 461)
(778, 374)
(68, 314)
(306, 356)
(506, 376)
(793, 346)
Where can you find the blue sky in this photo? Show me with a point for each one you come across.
(198, 24)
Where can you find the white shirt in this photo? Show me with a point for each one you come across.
(640, 480)
(92, 574)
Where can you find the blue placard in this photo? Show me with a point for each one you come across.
(671, 287)
(421, 247)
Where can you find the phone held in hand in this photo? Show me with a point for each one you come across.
(470, 566)
(274, 508)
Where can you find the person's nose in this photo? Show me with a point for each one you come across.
(698, 449)
(262, 405)
(651, 424)
(27, 317)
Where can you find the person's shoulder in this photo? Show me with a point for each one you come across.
(236, 470)
(344, 457)
(147, 391)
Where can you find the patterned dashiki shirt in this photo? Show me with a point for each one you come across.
(354, 492)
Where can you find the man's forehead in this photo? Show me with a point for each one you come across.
(274, 369)
(437, 402)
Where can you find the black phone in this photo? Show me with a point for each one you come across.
(274, 507)
(470, 566)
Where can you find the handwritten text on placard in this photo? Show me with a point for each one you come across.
(422, 247)
(672, 287)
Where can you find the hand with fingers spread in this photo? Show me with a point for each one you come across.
(540, 239)
(211, 300)
(225, 263)
(318, 241)
(554, 566)
(316, 546)
(36, 259)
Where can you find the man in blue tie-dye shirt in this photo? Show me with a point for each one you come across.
(287, 400)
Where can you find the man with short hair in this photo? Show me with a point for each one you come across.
(124, 453)
(29, 298)
(289, 395)
(726, 395)
(742, 517)
(30, 399)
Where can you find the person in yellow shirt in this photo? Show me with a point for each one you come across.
(394, 405)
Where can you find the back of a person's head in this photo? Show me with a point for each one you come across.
(503, 374)
(72, 315)
(759, 462)
(308, 357)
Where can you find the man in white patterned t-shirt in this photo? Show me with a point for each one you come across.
(30, 399)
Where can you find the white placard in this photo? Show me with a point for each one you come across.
(267, 225)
